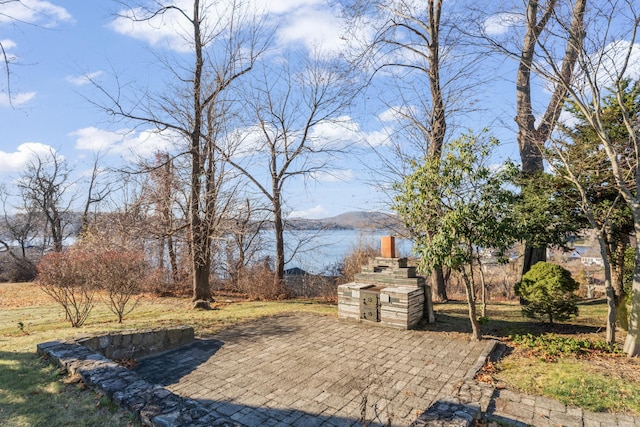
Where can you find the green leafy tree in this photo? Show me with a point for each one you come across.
(547, 210)
(577, 157)
(549, 292)
(602, 70)
(457, 205)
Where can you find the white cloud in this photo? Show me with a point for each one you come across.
(8, 44)
(38, 12)
(317, 29)
(566, 118)
(329, 134)
(397, 113)
(380, 137)
(316, 212)
(286, 6)
(166, 29)
(170, 29)
(500, 23)
(336, 133)
(98, 140)
(613, 57)
(83, 79)
(345, 131)
(126, 143)
(246, 141)
(19, 159)
(16, 99)
(606, 66)
(310, 23)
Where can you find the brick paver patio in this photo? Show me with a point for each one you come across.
(307, 370)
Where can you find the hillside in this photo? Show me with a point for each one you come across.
(357, 220)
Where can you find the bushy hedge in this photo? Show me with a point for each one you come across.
(548, 292)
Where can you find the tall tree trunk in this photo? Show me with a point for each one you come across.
(530, 153)
(530, 138)
(533, 255)
(200, 264)
(484, 288)
(201, 291)
(56, 231)
(471, 303)
(279, 235)
(173, 261)
(617, 282)
(200, 252)
(438, 115)
(611, 304)
(161, 245)
(438, 285)
(438, 119)
(632, 342)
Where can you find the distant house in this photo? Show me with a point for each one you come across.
(295, 271)
(591, 257)
(574, 255)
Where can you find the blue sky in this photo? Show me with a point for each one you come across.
(53, 46)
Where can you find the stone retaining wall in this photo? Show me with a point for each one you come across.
(136, 344)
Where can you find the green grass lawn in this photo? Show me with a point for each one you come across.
(35, 393)
(591, 380)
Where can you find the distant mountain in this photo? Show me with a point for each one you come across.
(364, 220)
(357, 220)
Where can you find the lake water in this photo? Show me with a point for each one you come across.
(328, 247)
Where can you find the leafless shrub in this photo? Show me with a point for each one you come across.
(96, 263)
(161, 282)
(16, 269)
(66, 277)
(258, 282)
(119, 274)
(354, 261)
(117, 267)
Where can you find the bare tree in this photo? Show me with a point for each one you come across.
(416, 43)
(5, 55)
(289, 107)
(18, 12)
(225, 41)
(604, 63)
(97, 190)
(545, 26)
(45, 184)
(244, 239)
(570, 163)
(19, 232)
(161, 196)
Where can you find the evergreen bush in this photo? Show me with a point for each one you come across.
(548, 292)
